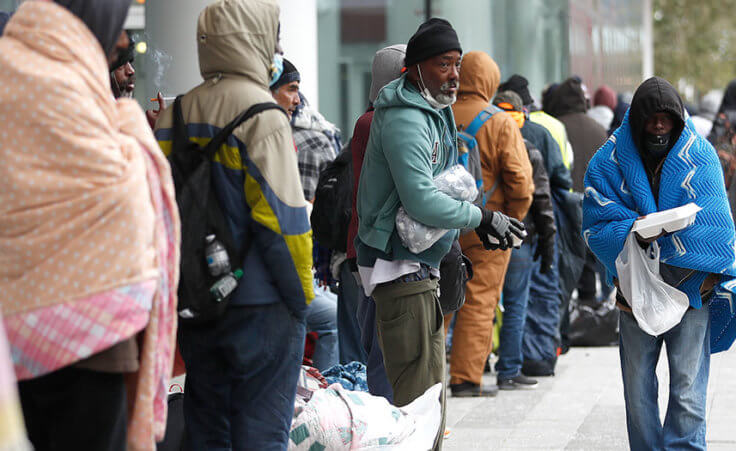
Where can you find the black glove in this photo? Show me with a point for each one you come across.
(500, 227)
(546, 253)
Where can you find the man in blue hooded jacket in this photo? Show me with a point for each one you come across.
(654, 162)
(412, 140)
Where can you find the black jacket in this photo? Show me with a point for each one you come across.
(567, 103)
(541, 138)
(618, 114)
(541, 217)
(725, 120)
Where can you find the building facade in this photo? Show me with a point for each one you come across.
(332, 42)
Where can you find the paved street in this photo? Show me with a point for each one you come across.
(581, 408)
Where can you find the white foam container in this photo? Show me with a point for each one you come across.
(669, 221)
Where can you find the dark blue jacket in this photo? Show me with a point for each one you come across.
(541, 138)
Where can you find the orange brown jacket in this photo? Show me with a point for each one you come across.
(502, 151)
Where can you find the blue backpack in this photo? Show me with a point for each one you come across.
(469, 155)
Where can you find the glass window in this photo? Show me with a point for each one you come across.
(349, 34)
(527, 37)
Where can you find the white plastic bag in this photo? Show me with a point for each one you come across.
(657, 306)
(416, 236)
(457, 183)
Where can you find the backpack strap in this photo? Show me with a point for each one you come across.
(481, 119)
(180, 126)
(214, 145)
(469, 139)
(468, 135)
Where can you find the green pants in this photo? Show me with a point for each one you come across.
(411, 333)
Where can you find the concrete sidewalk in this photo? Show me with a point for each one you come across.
(581, 408)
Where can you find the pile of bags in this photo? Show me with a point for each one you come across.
(335, 418)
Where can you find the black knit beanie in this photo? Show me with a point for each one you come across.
(433, 37)
(289, 75)
(519, 85)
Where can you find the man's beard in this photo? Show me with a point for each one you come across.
(448, 99)
(127, 87)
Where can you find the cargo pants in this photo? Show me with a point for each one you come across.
(411, 333)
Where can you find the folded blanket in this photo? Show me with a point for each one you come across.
(617, 192)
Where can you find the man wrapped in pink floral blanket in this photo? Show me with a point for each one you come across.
(89, 233)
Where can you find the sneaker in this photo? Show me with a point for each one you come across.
(470, 390)
(519, 382)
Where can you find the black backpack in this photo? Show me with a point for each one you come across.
(333, 202)
(201, 215)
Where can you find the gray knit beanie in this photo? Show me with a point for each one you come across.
(387, 65)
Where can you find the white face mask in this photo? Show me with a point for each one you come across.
(442, 100)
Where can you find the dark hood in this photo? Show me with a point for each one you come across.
(4, 18)
(105, 18)
(729, 98)
(655, 95)
(565, 98)
(126, 56)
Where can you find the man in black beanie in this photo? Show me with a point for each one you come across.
(285, 88)
(430, 55)
(413, 139)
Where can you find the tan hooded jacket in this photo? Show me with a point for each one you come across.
(260, 185)
(502, 152)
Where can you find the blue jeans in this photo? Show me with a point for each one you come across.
(688, 355)
(515, 299)
(348, 329)
(322, 318)
(606, 288)
(378, 384)
(241, 378)
(542, 325)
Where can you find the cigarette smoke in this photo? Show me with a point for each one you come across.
(160, 64)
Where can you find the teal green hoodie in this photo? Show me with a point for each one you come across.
(410, 143)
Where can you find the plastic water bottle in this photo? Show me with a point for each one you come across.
(226, 285)
(215, 253)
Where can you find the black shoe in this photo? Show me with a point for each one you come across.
(470, 390)
(589, 301)
(539, 368)
(519, 382)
